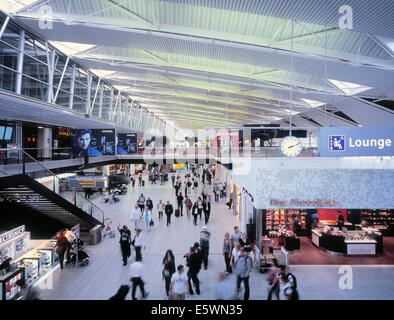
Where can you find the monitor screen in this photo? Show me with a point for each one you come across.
(2, 129)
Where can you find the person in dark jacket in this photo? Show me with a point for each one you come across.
(168, 210)
(195, 213)
(121, 294)
(207, 210)
(125, 241)
(169, 269)
(194, 261)
(180, 203)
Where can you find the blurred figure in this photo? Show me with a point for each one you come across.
(137, 278)
(224, 290)
(273, 286)
(121, 294)
(27, 292)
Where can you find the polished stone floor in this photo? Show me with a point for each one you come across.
(104, 275)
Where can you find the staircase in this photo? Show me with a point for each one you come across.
(28, 192)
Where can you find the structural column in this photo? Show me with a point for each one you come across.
(72, 85)
(21, 53)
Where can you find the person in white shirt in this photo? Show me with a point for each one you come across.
(136, 215)
(137, 278)
(160, 209)
(138, 244)
(235, 255)
(179, 286)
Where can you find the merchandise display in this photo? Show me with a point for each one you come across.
(383, 220)
(292, 220)
(359, 242)
(16, 262)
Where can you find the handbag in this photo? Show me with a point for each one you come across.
(133, 242)
(151, 223)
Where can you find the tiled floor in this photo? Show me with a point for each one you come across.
(104, 275)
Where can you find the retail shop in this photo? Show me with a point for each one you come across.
(22, 258)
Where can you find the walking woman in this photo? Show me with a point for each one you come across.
(168, 270)
(200, 207)
(62, 244)
(147, 217)
(195, 213)
(227, 253)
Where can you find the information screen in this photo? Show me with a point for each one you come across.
(79, 182)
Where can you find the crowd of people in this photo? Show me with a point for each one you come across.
(180, 283)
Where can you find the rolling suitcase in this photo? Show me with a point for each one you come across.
(177, 213)
(143, 183)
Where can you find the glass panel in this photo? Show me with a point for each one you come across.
(34, 88)
(7, 79)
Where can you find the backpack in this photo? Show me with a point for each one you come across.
(294, 280)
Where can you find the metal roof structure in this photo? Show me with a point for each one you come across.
(218, 63)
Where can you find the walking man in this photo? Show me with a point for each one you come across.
(137, 278)
(180, 203)
(140, 180)
(207, 210)
(243, 269)
(194, 262)
(141, 202)
(136, 215)
(168, 210)
(173, 180)
(125, 241)
(179, 285)
(204, 244)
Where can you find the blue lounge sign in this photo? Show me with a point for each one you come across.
(354, 142)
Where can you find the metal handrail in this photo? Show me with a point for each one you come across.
(24, 153)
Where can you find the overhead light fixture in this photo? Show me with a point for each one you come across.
(40, 127)
(349, 88)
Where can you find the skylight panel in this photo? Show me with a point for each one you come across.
(71, 48)
(349, 88)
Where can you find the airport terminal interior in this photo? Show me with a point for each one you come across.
(254, 139)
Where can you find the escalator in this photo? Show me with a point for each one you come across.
(26, 191)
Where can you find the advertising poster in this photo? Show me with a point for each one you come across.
(126, 143)
(93, 142)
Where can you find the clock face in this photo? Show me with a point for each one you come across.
(290, 146)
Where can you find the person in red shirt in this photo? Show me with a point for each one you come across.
(62, 244)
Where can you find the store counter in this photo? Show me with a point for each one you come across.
(349, 243)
